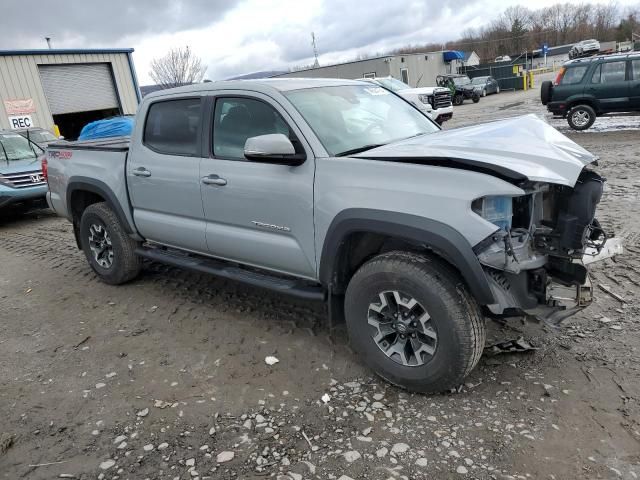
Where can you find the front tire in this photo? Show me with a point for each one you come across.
(581, 117)
(475, 98)
(108, 248)
(413, 321)
(458, 98)
(484, 92)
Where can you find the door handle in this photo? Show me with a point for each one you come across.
(141, 172)
(214, 180)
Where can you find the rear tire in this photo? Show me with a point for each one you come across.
(581, 117)
(445, 322)
(108, 248)
(545, 92)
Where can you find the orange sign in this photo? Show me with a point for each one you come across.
(20, 107)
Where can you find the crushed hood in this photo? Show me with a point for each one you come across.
(525, 145)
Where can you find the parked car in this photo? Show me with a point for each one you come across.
(40, 136)
(503, 58)
(488, 85)
(330, 190)
(461, 88)
(435, 102)
(585, 47)
(590, 87)
(21, 177)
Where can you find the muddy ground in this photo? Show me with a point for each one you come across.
(166, 377)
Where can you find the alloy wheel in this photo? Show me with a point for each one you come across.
(403, 329)
(100, 245)
(581, 118)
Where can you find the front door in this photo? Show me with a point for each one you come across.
(163, 173)
(259, 214)
(609, 86)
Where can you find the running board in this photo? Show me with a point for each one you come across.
(221, 269)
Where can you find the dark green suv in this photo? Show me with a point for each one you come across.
(590, 87)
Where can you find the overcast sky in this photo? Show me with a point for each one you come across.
(236, 37)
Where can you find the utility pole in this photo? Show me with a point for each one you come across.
(316, 64)
(48, 39)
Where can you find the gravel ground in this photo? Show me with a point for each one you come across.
(166, 377)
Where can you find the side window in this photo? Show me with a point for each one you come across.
(236, 119)
(595, 78)
(613, 72)
(573, 75)
(172, 127)
(635, 67)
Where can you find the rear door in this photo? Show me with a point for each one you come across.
(259, 214)
(634, 84)
(163, 173)
(609, 85)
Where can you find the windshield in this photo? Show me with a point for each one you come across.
(392, 84)
(479, 80)
(16, 147)
(461, 80)
(353, 118)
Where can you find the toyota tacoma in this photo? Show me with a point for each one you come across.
(340, 191)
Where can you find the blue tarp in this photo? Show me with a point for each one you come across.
(109, 127)
(453, 55)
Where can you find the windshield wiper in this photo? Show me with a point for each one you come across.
(364, 148)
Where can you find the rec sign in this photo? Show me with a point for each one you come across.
(19, 112)
(20, 121)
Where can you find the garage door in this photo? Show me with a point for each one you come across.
(78, 88)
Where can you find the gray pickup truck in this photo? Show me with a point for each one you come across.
(342, 191)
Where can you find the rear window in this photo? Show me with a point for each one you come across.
(574, 75)
(173, 126)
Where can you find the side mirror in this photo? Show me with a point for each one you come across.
(272, 148)
(61, 137)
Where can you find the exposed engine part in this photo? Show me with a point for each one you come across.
(572, 227)
(512, 252)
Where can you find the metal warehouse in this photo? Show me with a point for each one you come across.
(65, 89)
(415, 69)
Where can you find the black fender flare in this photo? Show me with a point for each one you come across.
(441, 238)
(87, 184)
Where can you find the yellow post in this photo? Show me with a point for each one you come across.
(56, 130)
(524, 81)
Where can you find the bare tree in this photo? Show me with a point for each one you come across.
(178, 67)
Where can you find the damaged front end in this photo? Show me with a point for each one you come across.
(535, 262)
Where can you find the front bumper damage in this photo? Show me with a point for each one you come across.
(552, 301)
(539, 268)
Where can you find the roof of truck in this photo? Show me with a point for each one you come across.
(260, 85)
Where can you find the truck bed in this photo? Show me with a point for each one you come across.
(112, 144)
